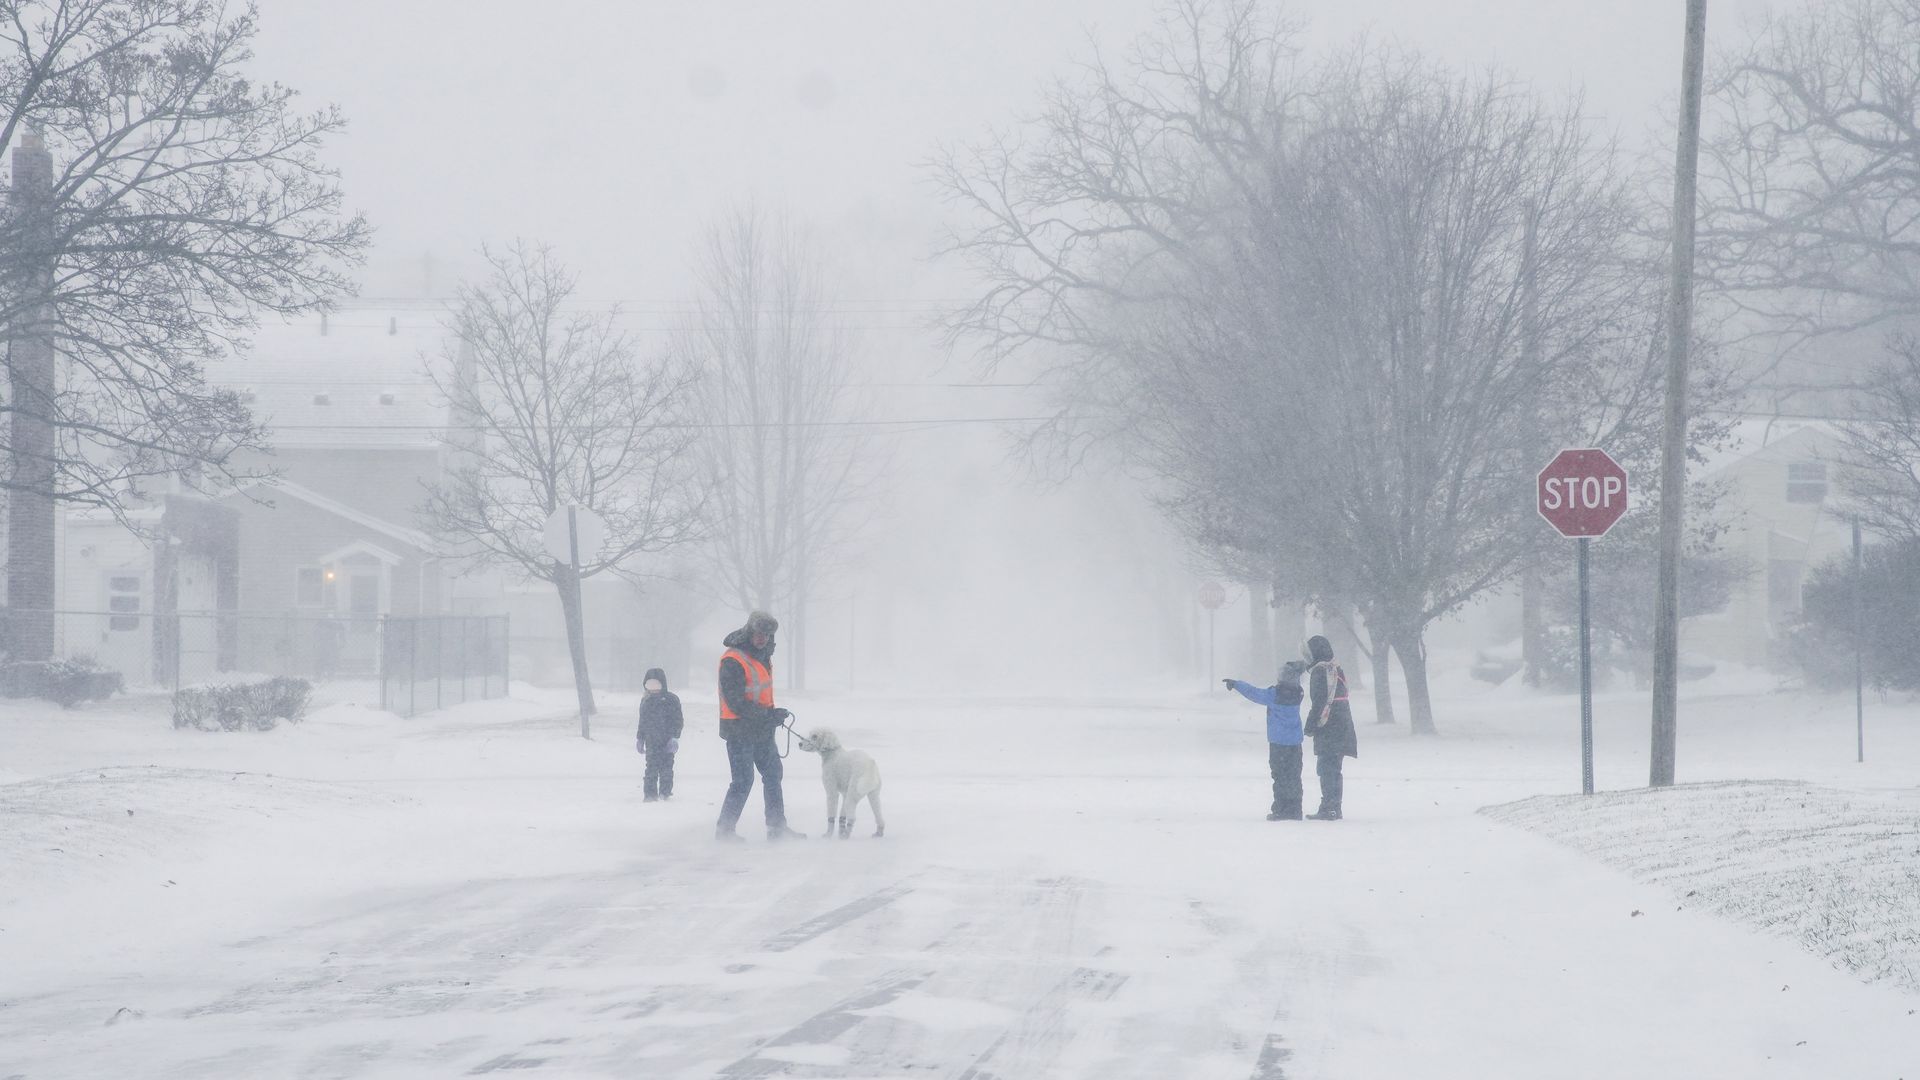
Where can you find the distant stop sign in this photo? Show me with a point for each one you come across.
(1212, 595)
(1582, 493)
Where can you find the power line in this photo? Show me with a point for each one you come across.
(928, 422)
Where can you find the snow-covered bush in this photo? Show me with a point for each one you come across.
(66, 682)
(242, 706)
(1821, 644)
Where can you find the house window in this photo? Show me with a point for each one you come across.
(1806, 482)
(323, 399)
(1783, 588)
(123, 602)
(387, 399)
(310, 586)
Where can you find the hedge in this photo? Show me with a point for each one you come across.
(242, 706)
(66, 682)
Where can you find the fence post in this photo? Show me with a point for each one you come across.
(506, 655)
(463, 659)
(413, 662)
(439, 663)
(380, 661)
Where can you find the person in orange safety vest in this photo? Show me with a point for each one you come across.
(748, 719)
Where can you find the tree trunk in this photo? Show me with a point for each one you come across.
(1340, 630)
(1412, 650)
(1260, 655)
(1382, 675)
(1533, 624)
(1289, 627)
(799, 615)
(31, 440)
(568, 583)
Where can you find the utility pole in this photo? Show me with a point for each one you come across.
(1859, 665)
(31, 437)
(1673, 459)
(577, 626)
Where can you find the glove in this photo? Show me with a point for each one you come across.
(673, 746)
(780, 716)
(1228, 683)
(639, 746)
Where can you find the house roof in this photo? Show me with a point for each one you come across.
(1750, 439)
(360, 383)
(414, 537)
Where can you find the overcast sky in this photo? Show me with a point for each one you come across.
(612, 129)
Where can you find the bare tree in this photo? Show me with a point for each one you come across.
(551, 409)
(1880, 447)
(786, 463)
(1808, 204)
(1296, 297)
(160, 199)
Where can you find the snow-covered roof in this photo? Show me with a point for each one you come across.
(360, 383)
(263, 489)
(1754, 436)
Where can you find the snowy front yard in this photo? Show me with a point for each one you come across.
(1066, 890)
(1837, 871)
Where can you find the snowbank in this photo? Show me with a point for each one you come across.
(86, 825)
(1838, 871)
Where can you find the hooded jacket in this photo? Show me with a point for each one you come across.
(1283, 708)
(660, 717)
(1329, 717)
(755, 719)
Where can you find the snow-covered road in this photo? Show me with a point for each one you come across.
(1071, 891)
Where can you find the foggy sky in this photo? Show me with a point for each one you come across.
(615, 131)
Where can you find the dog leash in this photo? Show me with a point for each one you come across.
(791, 733)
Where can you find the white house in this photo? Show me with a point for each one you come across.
(1780, 509)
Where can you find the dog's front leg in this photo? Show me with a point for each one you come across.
(833, 807)
(848, 806)
(879, 819)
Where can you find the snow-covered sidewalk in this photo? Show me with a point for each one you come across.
(1070, 890)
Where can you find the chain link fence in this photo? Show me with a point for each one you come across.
(405, 664)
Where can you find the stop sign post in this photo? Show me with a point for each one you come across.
(1582, 494)
(1212, 596)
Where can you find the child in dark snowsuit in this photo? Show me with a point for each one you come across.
(1283, 736)
(659, 736)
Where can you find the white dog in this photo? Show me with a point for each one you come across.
(848, 776)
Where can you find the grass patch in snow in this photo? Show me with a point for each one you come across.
(1838, 871)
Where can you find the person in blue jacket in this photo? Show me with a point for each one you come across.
(1283, 736)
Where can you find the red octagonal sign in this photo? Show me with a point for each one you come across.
(1582, 492)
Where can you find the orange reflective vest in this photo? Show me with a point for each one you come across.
(759, 683)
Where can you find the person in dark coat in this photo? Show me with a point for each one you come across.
(1282, 700)
(661, 723)
(1330, 723)
(748, 719)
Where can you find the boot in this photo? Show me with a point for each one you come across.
(1324, 814)
(781, 832)
(728, 836)
(846, 827)
(651, 798)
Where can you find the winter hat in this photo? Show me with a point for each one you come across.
(762, 623)
(1319, 649)
(1291, 670)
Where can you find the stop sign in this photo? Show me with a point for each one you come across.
(1212, 595)
(1582, 492)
